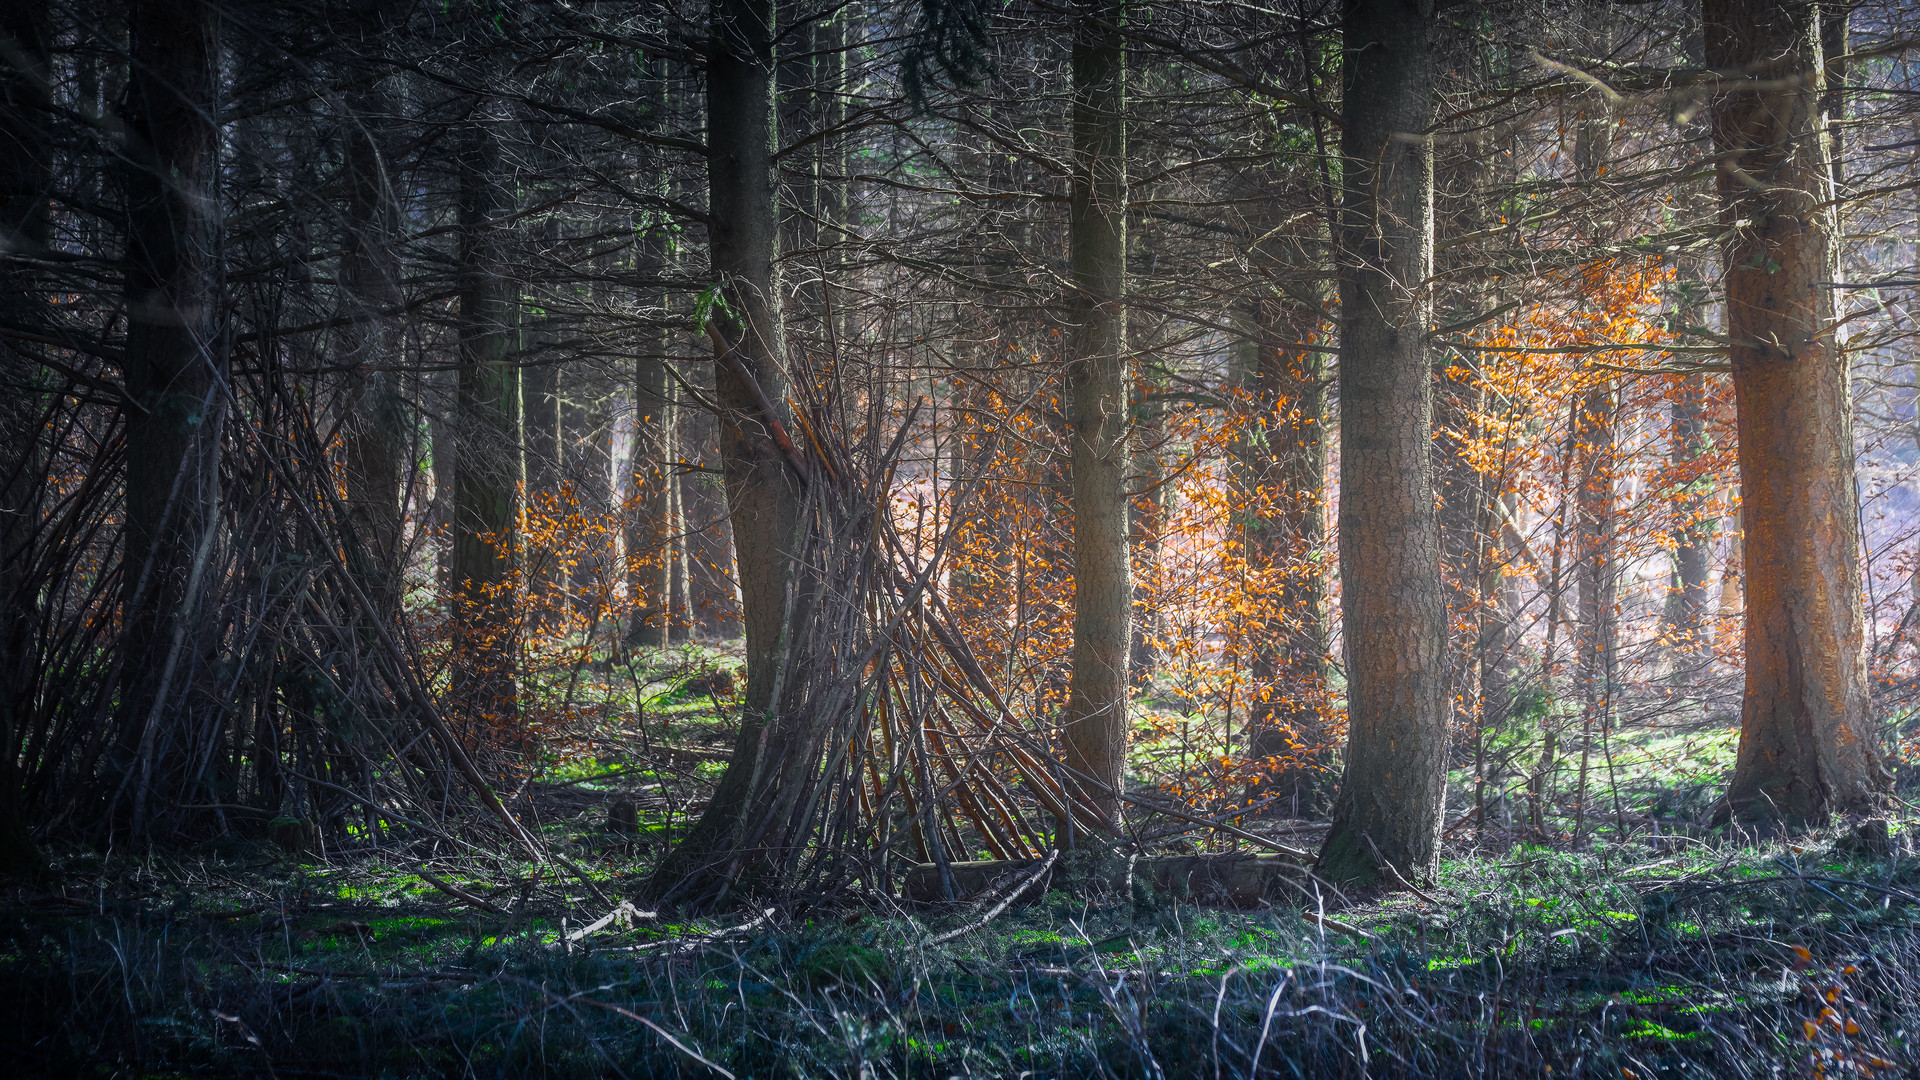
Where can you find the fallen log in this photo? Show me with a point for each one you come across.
(1235, 880)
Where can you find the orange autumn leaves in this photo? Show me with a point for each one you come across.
(1208, 600)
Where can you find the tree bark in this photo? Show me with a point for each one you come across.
(713, 593)
(26, 187)
(1395, 617)
(1095, 731)
(173, 357)
(487, 438)
(376, 422)
(764, 494)
(1808, 745)
(652, 542)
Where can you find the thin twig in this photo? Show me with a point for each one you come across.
(460, 894)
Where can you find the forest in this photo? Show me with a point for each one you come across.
(939, 538)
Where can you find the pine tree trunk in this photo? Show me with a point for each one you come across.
(376, 423)
(544, 464)
(764, 495)
(1689, 611)
(654, 544)
(1693, 539)
(587, 432)
(1395, 619)
(679, 568)
(1146, 521)
(487, 438)
(1594, 577)
(1808, 745)
(26, 178)
(173, 357)
(1095, 731)
(651, 544)
(1478, 619)
(1596, 446)
(713, 593)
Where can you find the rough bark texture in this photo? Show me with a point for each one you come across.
(486, 435)
(1394, 613)
(764, 495)
(173, 354)
(1808, 746)
(1095, 732)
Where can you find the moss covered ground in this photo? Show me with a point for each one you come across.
(1653, 947)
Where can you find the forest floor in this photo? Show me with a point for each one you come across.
(1652, 952)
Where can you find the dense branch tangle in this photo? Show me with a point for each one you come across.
(379, 387)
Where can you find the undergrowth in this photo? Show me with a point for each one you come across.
(1794, 959)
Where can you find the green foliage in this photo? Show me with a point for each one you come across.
(952, 39)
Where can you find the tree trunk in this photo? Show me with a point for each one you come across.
(486, 436)
(651, 544)
(26, 183)
(1395, 617)
(587, 432)
(764, 495)
(1146, 521)
(1469, 514)
(1808, 746)
(376, 427)
(1688, 614)
(653, 529)
(173, 358)
(679, 567)
(544, 466)
(1095, 732)
(1594, 578)
(1596, 447)
(1733, 597)
(713, 592)
(1693, 539)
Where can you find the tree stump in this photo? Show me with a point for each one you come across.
(623, 821)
